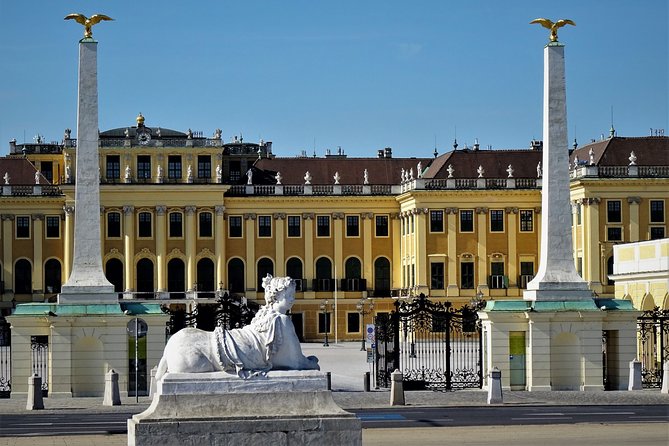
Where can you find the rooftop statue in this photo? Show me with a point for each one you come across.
(268, 343)
(88, 22)
(553, 26)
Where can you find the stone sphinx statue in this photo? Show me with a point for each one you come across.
(268, 343)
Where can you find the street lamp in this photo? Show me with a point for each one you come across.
(361, 309)
(325, 309)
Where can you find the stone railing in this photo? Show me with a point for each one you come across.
(23, 190)
(633, 171)
(313, 189)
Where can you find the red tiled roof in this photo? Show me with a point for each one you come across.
(20, 171)
(649, 150)
(494, 162)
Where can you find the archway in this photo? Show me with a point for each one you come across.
(176, 278)
(236, 276)
(294, 270)
(205, 278)
(565, 362)
(352, 274)
(323, 275)
(23, 277)
(52, 276)
(145, 276)
(265, 267)
(114, 273)
(382, 277)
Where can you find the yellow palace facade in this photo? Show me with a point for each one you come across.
(184, 216)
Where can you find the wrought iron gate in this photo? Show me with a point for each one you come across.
(435, 346)
(5, 359)
(653, 347)
(39, 346)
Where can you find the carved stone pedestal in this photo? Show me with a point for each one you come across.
(282, 408)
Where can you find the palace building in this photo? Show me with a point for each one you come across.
(186, 217)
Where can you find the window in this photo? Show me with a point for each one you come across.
(467, 221)
(143, 167)
(497, 278)
(176, 225)
(352, 226)
(526, 273)
(578, 214)
(437, 276)
(264, 226)
(205, 224)
(23, 227)
(656, 232)
(497, 220)
(352, 322)
(294, 226)
(526, 221)
(656, 211)
(52, 226)
(382, 226)
(614, 233)
(324, 322)
(144, 220)
(613, 212)
(113, 167)
(204, 166)
(235, 171)
(436, 221)
(114, 225)
(235, 226)
(174, 167)
(46, 169)
(467, 275)
(579, 266)
(323, 225)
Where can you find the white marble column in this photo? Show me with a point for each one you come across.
(556, 279)
(87, 282)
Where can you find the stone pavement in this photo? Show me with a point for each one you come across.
(347, 365)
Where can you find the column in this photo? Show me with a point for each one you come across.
(250, 235)
(38, 273)
(634, 218)
(279, 244)
(308, 220)
(482, 250)
(190, 232)
(129, 247)
(591, 248)
(7, 243)
(419, 248)
(68, 245)
(219, 243)
(338, 236)
(451, 237)
(161, 247)
(396, 259)
(574, 226)
(512, 260)
(367, 234)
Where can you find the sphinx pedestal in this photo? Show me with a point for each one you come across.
(281, 408)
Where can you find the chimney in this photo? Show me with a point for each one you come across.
(379, 153)
(388, 152)
(536, 144)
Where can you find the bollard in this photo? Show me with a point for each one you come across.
(495, 387)
(152, 386)
(112, 395)
(665, 378)
(35, 401)
(397, 389)
(635, 376)
(366, 381)
(328, 378)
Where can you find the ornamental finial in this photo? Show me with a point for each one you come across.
(553, 26)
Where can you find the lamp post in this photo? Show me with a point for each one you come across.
(361, 309)
(325, 309)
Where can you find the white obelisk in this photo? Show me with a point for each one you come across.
(87, 283)
(556, 279)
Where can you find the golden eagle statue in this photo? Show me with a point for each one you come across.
(553, 26)
(88, 22)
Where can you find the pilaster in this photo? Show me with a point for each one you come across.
(161, 247)
(338, 237)
(419, 247)
(38, 273)
(512, 260)
(539, 352)
(451, 235)
(482, 251)
(396, 261)
(279, 244)
(7, 244)
(250, 232)
(367, 234)
(190, 232)
(634, 218)
(591, 247)
(219, 242)
(129, 247)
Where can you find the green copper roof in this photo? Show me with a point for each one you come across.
(117, 309)
(555, 306)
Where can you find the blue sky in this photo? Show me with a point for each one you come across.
(362, 75)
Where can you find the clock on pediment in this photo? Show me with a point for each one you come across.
(143, 133)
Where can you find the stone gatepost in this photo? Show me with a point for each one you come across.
(112, 396)
(397, 389)
(495, 387)
(635, 376)
(35, 401)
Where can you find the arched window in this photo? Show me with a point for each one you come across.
(205, 277)
(52, 276)
(114, 274)
(236, 276)
(609, 270)
(381, 277)
(23, 277)
(176, 278)
(265, 267)
(294, 270)
(352, 275)
(323, 275)
(145, 276)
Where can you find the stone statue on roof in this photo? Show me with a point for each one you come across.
(278, 178)
(591, 154)
(218, 134)
(632, 158)
(509, 171)
(419, 170)
(450, 170)
(36, 177)
(336, 177)
(576, 161)
(402, 175)
(365, 177)
(6, 178)
(249, 177)
(307, 178)
(219, 173)
(410, 176)
(480, 171)
(539, 169)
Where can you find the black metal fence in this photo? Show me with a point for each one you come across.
(435, 346)
(39, 347)
(653, 347)
(5, 359)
